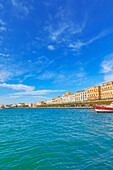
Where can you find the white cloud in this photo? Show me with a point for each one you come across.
(2, 22)
(13, 97)
(38, 92)
(2, 25)
(51, 47)
(28, 90)
(108, 77)
(1, 6)
(18, 87)
(2, 28)
(79, 44)
(22, 7)
(4, 55)
(61, 27)
(107, 67)
(4, 75)
(64, 31)
(107, 64)
(9, 69)
(42, 60)
(47, 75)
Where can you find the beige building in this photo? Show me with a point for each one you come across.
(66, 94)
(77, 96)
(34, 105)
(29, 104)
(72, 98)
(66, 97)
(40, 103)
(107, 90)
(58, 100)
(93, 93)
(49, 101)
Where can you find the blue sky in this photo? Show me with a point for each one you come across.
(48, 47)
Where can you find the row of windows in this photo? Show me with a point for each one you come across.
(106, 84)
(106, 88)
(95, 90)
(103, 94)
(102, 88)
(92, 95)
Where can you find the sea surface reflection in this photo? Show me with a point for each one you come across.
(55, 139)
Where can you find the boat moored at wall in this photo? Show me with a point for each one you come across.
(104, 109)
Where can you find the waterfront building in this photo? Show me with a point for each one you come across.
(40, 103)
(72, 97)
(83, 95)
(4, 106)
(34, 105)
(93, 93)
(58, 99)
(66, 97)
(66, 94)
(107, 90)
(29, 104)
(49, 101)
(77, 96)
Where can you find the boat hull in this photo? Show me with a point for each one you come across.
(100, 109)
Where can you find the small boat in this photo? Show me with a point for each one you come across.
(104, 109)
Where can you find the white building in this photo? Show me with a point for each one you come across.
(83, 96)
(65, 99)
(49, 102)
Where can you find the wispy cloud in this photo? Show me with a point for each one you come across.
(108, 77)
(51, 47)
(2, 22)
(28, 90)
(18, 87)
(2, 25)
(62, 27)
(107, 64)
(22, 7)
(12, 70)
(64, 31)
(47, 75)
(1, 6)
(39, 92)
(79, 44)
(4, 54)
(107, 67)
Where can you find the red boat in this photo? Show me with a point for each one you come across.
(104, 109)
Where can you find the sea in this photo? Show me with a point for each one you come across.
(55, 139)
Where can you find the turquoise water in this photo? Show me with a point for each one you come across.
(55, 139)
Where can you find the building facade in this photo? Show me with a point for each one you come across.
(83, 95)
(40, 103)
(107, 90)
(58, 99)
(93, 93)
(77, 96)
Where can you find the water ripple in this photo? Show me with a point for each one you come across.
(55, 139)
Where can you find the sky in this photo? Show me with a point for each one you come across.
(49, 47)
